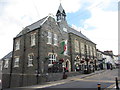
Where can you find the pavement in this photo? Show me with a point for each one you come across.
(53, 83)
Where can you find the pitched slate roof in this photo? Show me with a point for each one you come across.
(33, 26)
(9, 55)
(41, 22)
(71, 30)
(36, 24)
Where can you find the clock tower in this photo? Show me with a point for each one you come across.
(61, 15)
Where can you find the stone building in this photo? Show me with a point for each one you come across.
(49, 46)
(6, 69)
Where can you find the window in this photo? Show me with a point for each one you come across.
(87, 48)
(6, 63)
(52, 58)
(82, 48)
(76, 46)
(1, 62)
(16, 62)
(91, 53)
(17, 44)
(94, 51)
(49, 38)
(30, 59)
(55, 39)
(33, 39)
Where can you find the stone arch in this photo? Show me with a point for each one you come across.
(68, 64)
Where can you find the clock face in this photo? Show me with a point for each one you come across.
(65, 29)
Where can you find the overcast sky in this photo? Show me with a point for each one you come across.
(97, 19)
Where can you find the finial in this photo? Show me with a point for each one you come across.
(60, 1)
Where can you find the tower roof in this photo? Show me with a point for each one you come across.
(60, 10)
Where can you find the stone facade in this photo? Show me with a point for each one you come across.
(82, 56)
(6, 70)
(48, 43)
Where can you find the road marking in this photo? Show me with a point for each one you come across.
(111, 86)
(106, 81)
(91, 76)
(44, 86)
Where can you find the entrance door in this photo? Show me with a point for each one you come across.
(68, 65)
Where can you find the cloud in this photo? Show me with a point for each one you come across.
(105, 23)
(16, 14)
(106, 31)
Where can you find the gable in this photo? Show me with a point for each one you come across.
(32, 26)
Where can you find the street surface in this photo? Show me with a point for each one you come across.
(106, 78)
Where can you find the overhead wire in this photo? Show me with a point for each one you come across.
(36, 9)
(83, 12)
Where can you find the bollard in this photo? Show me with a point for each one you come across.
(117, 86)
(99, 86)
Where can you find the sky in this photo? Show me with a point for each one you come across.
(96, 19)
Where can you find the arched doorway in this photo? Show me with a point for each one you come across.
(68, 65)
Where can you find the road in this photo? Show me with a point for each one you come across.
(106, 79)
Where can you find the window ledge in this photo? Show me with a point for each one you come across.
(30, 65)
(49, 43)
(16, 66)
(17, 49)
(55, 45)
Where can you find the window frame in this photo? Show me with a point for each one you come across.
(87, 48)
(77, 46)
(55, 39)
(94, 51)
(16, 61)
(82, 48)
(17, 44)
(49, 37)
(33, 39)
(52, 58)
(30, 60)
(6, 64)
(91, 53)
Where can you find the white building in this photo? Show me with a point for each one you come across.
(107, 59)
